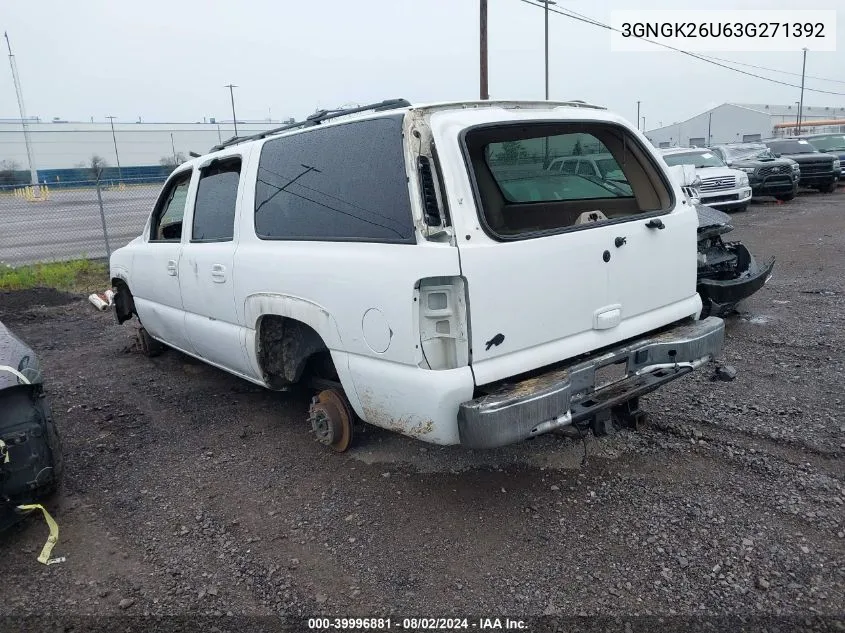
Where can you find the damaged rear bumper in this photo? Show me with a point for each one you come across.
(517, 411)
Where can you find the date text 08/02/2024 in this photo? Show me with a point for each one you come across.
(417, 624)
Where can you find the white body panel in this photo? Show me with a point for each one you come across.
(552, 298)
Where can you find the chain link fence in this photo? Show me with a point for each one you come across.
(85, 219)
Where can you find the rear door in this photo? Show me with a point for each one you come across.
(568, 262)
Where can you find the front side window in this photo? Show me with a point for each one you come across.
(346, 182)
(166, 225)
(217, 194)
(609, 172)
(697, 159)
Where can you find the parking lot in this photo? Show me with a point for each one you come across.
(189, 491)
(69, 225)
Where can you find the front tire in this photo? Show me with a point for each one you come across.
(741, 208)
(830, 188)
(786, 197)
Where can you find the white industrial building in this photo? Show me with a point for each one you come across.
(63, 144)
(735, 122)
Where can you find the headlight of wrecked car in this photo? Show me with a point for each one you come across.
(742, 179)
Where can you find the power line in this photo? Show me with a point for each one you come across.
(589, 20)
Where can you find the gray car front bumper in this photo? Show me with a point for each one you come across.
(519, 410)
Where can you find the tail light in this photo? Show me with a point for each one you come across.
(444, 338)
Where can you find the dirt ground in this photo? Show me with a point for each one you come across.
(193, 494)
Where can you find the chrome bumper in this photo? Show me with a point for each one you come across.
(517, 411)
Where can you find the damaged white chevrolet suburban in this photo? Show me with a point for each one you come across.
(424, 270)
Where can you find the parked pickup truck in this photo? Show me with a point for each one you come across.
(421, 269)
(819, 170)
(767, 175)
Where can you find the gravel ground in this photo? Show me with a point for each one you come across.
(189, 492)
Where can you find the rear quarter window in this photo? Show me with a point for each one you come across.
(341, 183)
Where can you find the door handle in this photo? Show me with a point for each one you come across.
(619, 241)
(656, 223)
(171, 267)
(218, 273)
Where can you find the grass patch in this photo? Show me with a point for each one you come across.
(80, 276)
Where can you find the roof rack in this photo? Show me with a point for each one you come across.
(315, 119)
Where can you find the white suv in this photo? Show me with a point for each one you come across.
(420, 268)
(721, 187)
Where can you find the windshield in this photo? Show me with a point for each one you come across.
(830, 142)
(697, 159)
(797, 146)
(751, 151)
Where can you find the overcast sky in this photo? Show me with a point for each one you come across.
(168, 60)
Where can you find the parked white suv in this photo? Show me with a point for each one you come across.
(721, 187)
(420, 267)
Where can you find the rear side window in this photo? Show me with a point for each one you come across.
(217, 194)
(340, 183)
(518, 196)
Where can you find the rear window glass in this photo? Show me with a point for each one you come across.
(340, 183)
(798, 146)
(543, 177)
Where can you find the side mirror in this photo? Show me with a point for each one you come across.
(729, 163)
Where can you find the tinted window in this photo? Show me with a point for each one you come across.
(217, 193)
(345, 182)
(518, 198)
(167, 220)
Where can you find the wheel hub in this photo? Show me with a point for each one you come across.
(331, 420)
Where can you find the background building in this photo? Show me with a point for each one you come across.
(735, 122)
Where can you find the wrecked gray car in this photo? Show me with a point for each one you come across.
(727, 271)
(30, 449)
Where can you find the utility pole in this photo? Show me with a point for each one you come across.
(231, 88)
(643, 125)
(546, 4)
(116, 155)
(709, 123)
(638, 115)
(33, 172)
(485, 95)
(173, 147)
(801, 103)
(797, 111)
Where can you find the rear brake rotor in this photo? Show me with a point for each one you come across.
(331, 419)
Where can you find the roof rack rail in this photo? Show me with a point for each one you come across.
(315, 119)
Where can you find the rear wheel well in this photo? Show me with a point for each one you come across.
(290, 350)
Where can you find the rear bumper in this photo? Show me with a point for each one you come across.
(517, 411)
